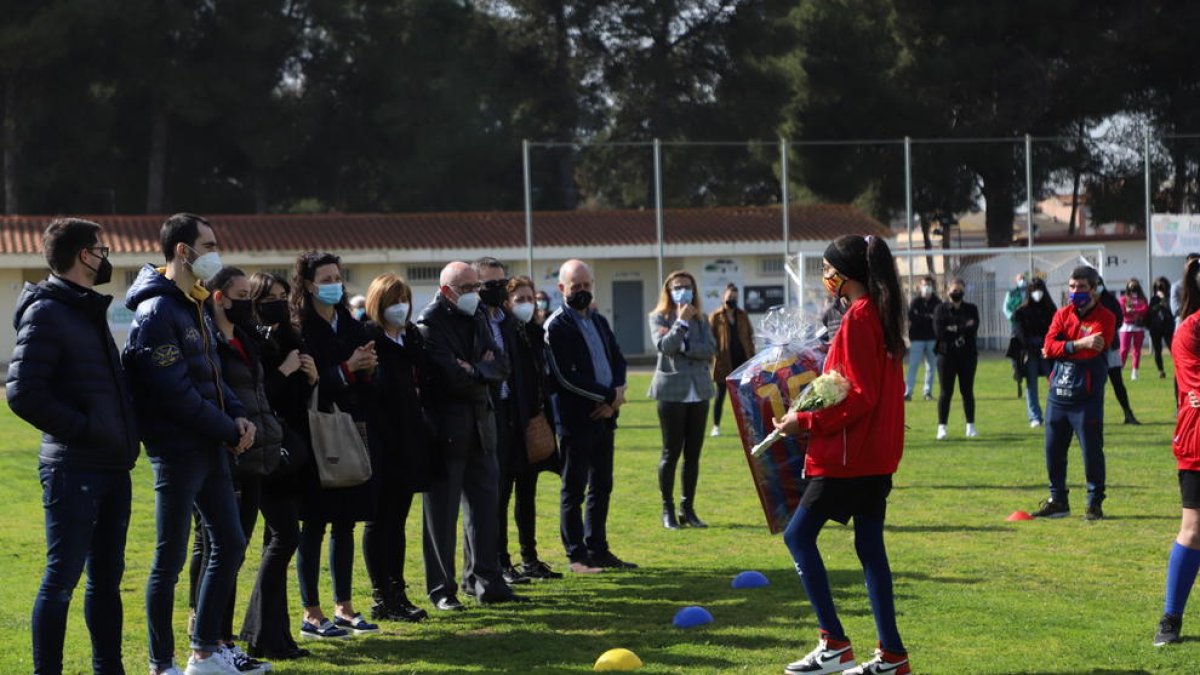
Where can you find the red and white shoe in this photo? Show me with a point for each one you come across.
(883, 664)
(830, 656)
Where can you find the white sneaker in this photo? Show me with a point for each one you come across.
(1133, 375)
(877, 666)
(1035, 424)
(941, 434)
(823, 660)
(716, 431)
(217, 663)
(971, 433)
(244, 663)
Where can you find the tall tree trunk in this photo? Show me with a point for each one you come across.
(928, 244)
(1179, 177)
(568, 115)
(998, 192)
(1076, 177)
(11, 204)
(158, 159)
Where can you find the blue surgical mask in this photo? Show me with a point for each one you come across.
(681, 296)
(1081, 299)
(330, 294)
(397, 314)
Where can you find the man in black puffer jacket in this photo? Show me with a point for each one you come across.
(190, 422)
(65, 379)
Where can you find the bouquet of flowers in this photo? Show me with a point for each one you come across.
(790, 357)
(826, 391)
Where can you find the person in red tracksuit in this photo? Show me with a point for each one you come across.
(854, 448)
(1078, 342)
(1184, 561)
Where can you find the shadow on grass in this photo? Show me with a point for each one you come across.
(948, 528)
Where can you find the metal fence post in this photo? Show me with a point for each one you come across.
(908, 208)
(658, 206)
(1029, 199)
(1149, 205)
(783, 196)
(528, 206)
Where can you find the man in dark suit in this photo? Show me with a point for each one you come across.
(590, 370)
(464, 365)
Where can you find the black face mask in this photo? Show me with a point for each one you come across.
(103, 272)
(731, 303)
(494, 293)
(242, 312)
(956, 296)
(579, 300)
(274, 312)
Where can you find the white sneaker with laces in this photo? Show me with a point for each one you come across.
(941, 432)
(217, 663)
(971, 433)
(877, 666)
(823, 660)
(716, 431)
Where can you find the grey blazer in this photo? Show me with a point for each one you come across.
(684, 358)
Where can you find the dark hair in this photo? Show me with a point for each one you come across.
(1134, 286)
(1086, 273)
(488, 261)
(261, 283)
(930, 279)
(65, 238)
(731, 286)
(1191, 289)
(1037, 284)
(1190, 257)
(305, 270)
(883, 286)
(181, 228)
(1162, 284)
(221, 279)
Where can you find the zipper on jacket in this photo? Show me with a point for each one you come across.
(208, 357)
(845, 448)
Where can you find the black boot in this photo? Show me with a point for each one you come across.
(382, 610)
(669, 521)
(687, 515)
(402, 608)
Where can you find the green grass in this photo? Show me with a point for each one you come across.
(975, 593)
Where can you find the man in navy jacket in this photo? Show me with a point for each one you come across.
(65, 378)
(190, 422)
(590, 371)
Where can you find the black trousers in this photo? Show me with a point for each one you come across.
(587, 474)
(249, 496)
(682, 426)
(961, 367)
(1159, 339)
(516, 476)
(267, 627)
(719, 404)
(384, 543)
(1118, 387)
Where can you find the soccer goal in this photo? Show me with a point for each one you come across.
(988, 273)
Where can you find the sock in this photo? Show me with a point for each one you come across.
(1181, 574)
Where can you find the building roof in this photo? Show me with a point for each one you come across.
(398, 231)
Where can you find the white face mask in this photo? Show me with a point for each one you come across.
(397, 314)
(206, 266)
(1037, 296)
(467, 303)
(926, 291)
(523, 311)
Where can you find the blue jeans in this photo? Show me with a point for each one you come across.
(1033, 371)
(87, 516)
(201, 479)
(1086, 422)
(918, 351)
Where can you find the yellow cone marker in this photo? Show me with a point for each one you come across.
(618, 659)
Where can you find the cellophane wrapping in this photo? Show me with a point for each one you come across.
(791, 354)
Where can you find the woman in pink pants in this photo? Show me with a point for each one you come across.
(1134, 307)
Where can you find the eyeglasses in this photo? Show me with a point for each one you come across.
(467, 288)
(101, 251)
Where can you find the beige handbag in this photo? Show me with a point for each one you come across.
(539, 438)
(338, 448)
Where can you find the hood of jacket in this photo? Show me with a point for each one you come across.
(55, 288)
(152, 282)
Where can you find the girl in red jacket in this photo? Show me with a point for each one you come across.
(853, 450)
(1185, 554)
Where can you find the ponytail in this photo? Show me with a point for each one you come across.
(1191, 289)
(884, 288)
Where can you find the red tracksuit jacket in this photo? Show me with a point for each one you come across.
(864, 434)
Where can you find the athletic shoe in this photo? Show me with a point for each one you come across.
(244, 663)
(357, 624)
(890, 664)
(513, 576)
(830, 656)
(1094, 512)
(716, 431)
(325, 630)
(941, 432)
(928, 396)
(216, 664)
(1168, 630)
(169, 670)
(1133, 375)
(1052, 509)
(536, 569)
(971, 433)
(1035, 424)
(908, 397)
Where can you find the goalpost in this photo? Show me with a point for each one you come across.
(988, 273)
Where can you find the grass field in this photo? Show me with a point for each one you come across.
(975, 593)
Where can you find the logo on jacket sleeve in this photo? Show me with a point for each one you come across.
(166, 355)
(192, 334)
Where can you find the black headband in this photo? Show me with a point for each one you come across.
(849, 265)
